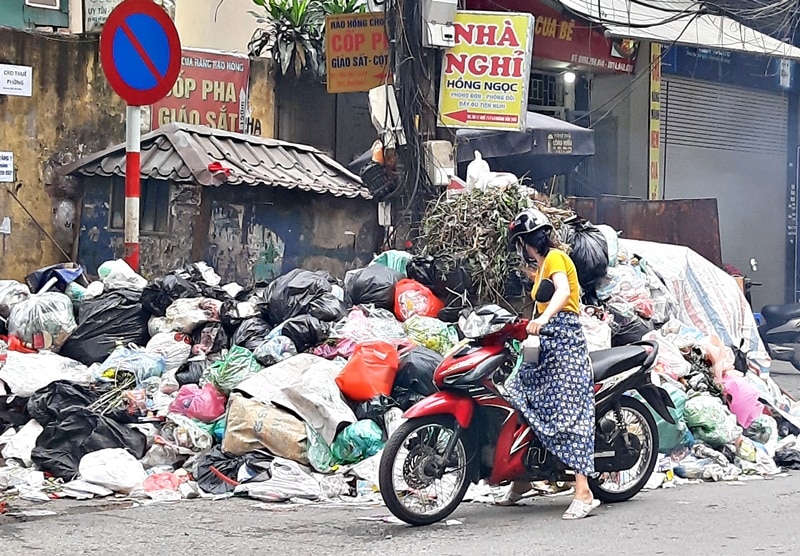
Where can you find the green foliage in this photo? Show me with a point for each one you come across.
(293, 31)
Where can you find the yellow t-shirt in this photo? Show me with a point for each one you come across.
(558, 261)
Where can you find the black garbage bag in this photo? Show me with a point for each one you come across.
(233, 313)
(76, 432)
(251, 333)
(192, 371)
(627, 330)
(327, 308)
(589, 251)
(405, 399)
(216, 466)
(13, 412)
(160, 294)
(446, 277)
(375, 410)
(373, 285)
(416, 371)
(115, 318)
(292, 294)
(788, 458)
(306, 332)
(47, 403)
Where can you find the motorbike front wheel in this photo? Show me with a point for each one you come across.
(416, 484)
(618, 486)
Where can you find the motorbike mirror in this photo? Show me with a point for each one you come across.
(754, 264)
(546, 290)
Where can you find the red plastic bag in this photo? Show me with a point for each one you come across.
(370, 372)
(205, 404)
(412, 298)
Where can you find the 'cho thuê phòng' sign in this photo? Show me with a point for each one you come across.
(485, 75)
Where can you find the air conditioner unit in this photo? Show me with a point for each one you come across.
(440, 161)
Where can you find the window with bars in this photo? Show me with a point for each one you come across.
(153, 206)
(545, 90)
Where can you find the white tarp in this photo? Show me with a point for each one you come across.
(669, 21)
(707, 297)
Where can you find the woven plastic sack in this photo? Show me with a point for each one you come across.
(370, 372)
(357, 442)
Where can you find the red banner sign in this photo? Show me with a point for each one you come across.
(565, 39)
(211, 90)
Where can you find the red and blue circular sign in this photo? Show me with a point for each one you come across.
(140, 52)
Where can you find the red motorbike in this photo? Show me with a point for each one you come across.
(468, 431)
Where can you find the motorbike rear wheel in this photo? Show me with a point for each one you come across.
(415, 485)
(619, 486)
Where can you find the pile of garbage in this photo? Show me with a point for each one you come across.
(731, 419)
(185, 387)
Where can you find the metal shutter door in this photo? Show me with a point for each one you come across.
(709, 115)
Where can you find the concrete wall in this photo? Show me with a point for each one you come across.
(71, 113)
(626, 97)
(248, 234)
(201, 24)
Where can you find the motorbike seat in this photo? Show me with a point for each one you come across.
(610, 362)
(778, 314)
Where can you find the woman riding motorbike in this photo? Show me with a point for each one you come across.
(555, 395)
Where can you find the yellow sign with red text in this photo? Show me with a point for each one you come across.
(654, 157)
(357, 52)
(485, 75)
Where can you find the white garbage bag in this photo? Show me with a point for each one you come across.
(25, 373)
(118, 274)
(288, 481)
(22, 444)
(174, 348)
(113, 468)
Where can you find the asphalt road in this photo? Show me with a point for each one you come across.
(752, 517)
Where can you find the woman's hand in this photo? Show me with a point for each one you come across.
(535, 326)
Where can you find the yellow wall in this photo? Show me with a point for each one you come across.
(201, 25)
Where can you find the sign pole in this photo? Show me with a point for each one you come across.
(133, 137)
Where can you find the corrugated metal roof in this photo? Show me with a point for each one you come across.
(677, 21)
(186, 153)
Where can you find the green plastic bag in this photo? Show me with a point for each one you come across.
(357, 442)
(396, 260)
(215, 429)
(237, 366)
(710, 421)
(671, 436)
(431, 333)
(319, 454)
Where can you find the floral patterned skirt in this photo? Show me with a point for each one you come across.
(556, 396)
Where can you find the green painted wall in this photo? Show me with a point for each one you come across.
(14, 13)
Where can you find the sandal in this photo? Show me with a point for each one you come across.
(579, 509)
(511, 498)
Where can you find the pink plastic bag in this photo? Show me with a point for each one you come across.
(163, 481)
(742, 399)
(205, 404)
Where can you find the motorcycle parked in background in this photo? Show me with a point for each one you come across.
(778, 326)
